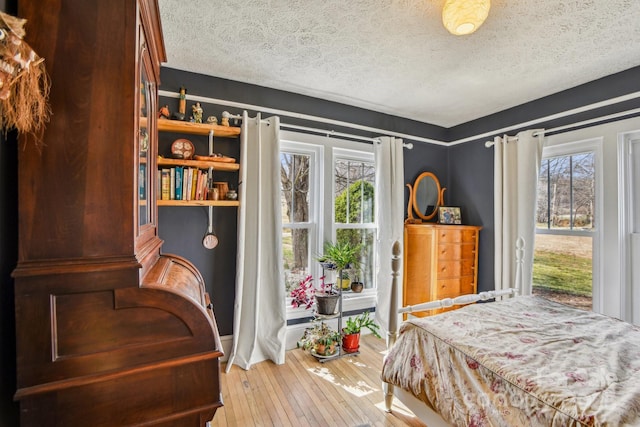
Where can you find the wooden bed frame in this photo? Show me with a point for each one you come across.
(422, 411)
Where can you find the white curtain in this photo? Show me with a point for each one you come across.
(389, 217)
(259, 323)
(516, 166)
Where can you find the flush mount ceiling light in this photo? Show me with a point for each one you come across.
(462, 17)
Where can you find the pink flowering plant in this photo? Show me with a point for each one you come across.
(303, 294)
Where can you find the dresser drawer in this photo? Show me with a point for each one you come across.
(451, 288)
(455, 251)
(457, 268)
(456, 235)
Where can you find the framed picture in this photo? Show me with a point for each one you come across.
(449, 215)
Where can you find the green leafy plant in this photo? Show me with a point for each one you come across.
(343, 255)
(320, 338)
(356, 323)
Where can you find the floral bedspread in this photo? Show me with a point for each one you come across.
(525, 361)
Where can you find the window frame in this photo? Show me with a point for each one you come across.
(315, 227)
(355, 156)
(323, 207)
(595, 146)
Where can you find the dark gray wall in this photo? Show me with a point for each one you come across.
(471, 187)
(182, 228)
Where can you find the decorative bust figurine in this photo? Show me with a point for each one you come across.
(164, 112)
(197, 112)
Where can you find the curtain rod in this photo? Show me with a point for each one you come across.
(300, 116)
(333, 133)
(330, 133)
(572, 126)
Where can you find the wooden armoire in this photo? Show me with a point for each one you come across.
(109, 331)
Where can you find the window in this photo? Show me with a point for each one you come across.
(566, 218)
(354, 189)
(327, 194)
(299, 188)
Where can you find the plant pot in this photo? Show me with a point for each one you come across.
(351, 342)
(326, 304)
(357, 286)
(325, 350)
(344, 283)
(328, 265)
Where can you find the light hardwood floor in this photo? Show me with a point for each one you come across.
(304, 392)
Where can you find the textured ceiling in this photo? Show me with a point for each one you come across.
(395, 57)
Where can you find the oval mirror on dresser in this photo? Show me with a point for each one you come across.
(425, 196)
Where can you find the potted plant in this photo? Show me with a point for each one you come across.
(351, 332)
(344, 280)
(302, 295)
(343, 255)
(356, 284)
(326, 298)
(320, 339)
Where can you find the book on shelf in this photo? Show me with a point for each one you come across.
(184, 183)
(188, 180)
(202, 183)
(194, 183)
(172, 184)
(142, 179)
(179, 182)
(165, 179)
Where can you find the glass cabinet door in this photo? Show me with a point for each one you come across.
(144, 171)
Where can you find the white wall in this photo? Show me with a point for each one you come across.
(613, 292)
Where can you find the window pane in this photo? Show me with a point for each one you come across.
(566, 193)
(295, 251)
(584, 188)
(354, 192)
(542, 211)
(294, 187)
(365, 237)
(560, 192)
(562, 269)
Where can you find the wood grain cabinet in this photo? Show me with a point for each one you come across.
(440, 261)
(109, 330)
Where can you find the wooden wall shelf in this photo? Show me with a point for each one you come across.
(198, 203)
(178, 126)
(202, 164)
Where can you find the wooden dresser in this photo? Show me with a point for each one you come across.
(440, 261)
(109, 331)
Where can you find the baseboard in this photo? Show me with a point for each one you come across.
(227, 344)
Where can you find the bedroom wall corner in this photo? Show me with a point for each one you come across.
(471, 187)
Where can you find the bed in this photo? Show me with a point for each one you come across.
(520, 361)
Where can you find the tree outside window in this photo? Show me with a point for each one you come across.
(295, 197)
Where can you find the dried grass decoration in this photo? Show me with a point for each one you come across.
(24, 83)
